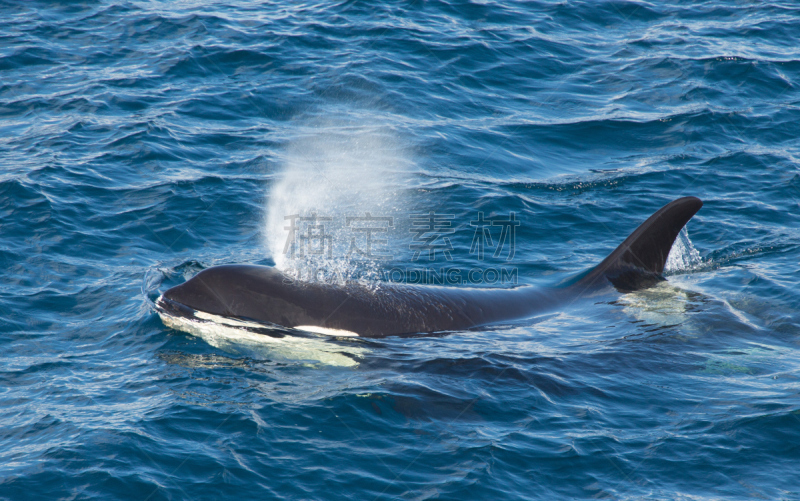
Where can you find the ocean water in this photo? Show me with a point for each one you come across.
(144, 141)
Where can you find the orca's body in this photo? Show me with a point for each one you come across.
(264, 294)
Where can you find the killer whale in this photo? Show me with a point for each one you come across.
(244, 294)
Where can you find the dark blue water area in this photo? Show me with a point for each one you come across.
(141, 142)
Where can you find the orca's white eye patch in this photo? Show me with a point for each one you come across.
(324, 330)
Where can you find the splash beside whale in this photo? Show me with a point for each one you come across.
(263, 296)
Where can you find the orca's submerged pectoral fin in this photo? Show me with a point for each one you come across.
(639, 261)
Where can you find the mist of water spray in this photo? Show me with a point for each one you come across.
(332, 173)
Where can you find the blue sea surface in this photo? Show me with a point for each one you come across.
(143, 141)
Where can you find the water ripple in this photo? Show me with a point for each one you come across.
(143, 142)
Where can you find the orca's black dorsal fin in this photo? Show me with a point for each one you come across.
(639, 261)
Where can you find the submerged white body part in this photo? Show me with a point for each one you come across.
(232, 334)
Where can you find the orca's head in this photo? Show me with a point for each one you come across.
(246, 291)
(204, 292)
(224, 290)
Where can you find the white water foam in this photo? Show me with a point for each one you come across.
(682, 256)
